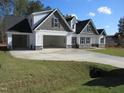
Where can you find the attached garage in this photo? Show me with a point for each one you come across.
(20, 41)
(54, 41)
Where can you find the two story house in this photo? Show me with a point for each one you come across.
(50, 29)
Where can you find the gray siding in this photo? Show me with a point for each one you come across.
(47, 25)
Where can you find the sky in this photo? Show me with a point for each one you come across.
(104, 13)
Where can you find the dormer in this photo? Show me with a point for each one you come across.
(72, 22)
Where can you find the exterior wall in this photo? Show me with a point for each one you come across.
(47, 25)
(93, 43)
(110, 41)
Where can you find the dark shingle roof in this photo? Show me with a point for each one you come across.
(23, 26)
(80, 25)
(11, 20)
(69, 18)
(101, 31)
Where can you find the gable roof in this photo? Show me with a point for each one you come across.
(101, 32)
(80, 25)
(23, 26)
(69, 18)
(48, 15)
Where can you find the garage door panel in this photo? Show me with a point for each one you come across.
(20, 41)
(54, 42)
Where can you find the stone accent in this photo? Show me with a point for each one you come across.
(101, 45)
(69, 46)
(38, 47)
(85, 46)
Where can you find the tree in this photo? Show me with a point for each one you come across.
(34, 6)
(121, 26)
(20, 7)
(6, 7)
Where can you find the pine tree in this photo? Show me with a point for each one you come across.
(121, 26)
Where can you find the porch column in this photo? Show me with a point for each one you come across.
(9, 40)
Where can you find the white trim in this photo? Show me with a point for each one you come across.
(37, 13)
(104, 32)
(52, 14)
(88, 24)
(64, 19)
(45, 19)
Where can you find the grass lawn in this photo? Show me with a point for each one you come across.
(30, 76)
(111, 51)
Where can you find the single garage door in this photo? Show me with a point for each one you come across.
(20, 41)
(54, 41)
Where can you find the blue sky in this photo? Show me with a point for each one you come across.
(105, 13)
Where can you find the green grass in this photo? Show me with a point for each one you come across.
(30, 76)
(111, 51)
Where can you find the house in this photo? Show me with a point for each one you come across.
(111, 41)
(50, 29)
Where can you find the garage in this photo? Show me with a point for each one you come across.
(20, 41)
(54, 41)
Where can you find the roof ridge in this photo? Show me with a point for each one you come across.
(45, 11)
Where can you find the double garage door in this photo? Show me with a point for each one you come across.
(54, 41)
(20, 41)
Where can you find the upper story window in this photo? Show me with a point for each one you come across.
(73, 26)
(89, 28)
(56, 22)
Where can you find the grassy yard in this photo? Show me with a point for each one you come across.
(30, 76)
(111, 51)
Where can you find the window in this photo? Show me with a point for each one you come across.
(74, 40)
(89, 28)
(87, 40)
(82, 40)
(102, 40)
(73, 26)
(56, 22)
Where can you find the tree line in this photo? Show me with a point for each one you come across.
(21, 7)
(18, 8)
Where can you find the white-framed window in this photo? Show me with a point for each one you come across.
(89, 28)
(102, 40)
(56, 22)
(73, 26)
(82, 40)
(74, 40)
(88, 39)
(85, 40)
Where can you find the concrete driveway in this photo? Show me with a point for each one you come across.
(70, 55)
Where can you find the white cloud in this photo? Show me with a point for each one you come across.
(91, 14)
(104, 10)
(74, 15)
(107, 26)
